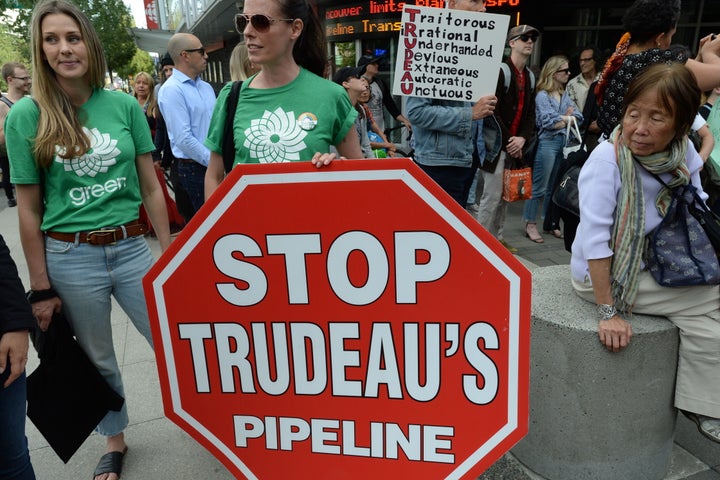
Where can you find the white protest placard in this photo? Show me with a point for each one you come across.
(449, 54)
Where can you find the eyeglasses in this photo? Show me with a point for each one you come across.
(564, 70)
(526, 38)
(260, 22)
(24, 79)
(200, 50)
(586, 59)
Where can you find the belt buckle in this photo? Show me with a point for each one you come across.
(102, 233)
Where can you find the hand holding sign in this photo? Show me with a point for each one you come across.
(449, 54)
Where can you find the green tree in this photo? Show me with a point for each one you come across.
(141, 62)
(12, 49)
(111, 19)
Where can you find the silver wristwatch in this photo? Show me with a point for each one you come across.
(606, 311)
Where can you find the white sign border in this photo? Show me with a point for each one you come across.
(344, 176)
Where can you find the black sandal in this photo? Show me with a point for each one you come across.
(111, 462)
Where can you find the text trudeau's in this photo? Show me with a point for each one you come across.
(449, 54)
(308, 360)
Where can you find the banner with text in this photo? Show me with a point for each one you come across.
(449, 54)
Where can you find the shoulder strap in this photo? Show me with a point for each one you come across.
(6, 101)
(506, 76)
(228, 140)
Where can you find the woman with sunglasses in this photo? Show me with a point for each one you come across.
(287, 111)
(80, 156)
(553, 111)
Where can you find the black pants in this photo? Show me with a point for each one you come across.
(5, 166)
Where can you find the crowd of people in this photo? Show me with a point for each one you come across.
(639, 105)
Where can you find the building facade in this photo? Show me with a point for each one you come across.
(357, 27)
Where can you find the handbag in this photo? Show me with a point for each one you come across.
(517, 181)
(66, 395)
(566, 195)
(679, 251)
(573, 138)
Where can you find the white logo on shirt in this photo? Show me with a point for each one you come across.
(101, 156)
(276, 137)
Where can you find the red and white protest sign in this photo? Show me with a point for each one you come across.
(345, 322)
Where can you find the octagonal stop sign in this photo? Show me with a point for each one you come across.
(346, 322)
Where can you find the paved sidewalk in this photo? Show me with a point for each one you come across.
(159, 450)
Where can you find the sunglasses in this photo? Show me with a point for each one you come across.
(526, 38)
(260, 22)
(564, 70)
(24, 79)
(200, 50)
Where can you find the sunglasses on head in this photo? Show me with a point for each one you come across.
(260, 22)
(525, 38)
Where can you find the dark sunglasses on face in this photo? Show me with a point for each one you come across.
(564, 70)
(260, 22)
(525, 38)
(200, 50)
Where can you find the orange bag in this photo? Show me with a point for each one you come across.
(517, 181)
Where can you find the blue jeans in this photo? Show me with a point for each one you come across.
(549, 153)
(85, 276)
(192, 179)
(456, 181)
(14, 457)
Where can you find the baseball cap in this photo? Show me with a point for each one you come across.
(346, 72)
(522, 30)
(367, 60)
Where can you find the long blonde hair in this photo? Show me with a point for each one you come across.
(59, 125)
(240, 66)
(150, 106)
(547, 80)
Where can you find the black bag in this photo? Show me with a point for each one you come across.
(679, 252)
(66, 395)
(566, 195)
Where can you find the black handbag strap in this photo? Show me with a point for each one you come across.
(699, 201)
(228, 140)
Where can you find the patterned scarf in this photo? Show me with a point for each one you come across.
(628, 242)
(612, 65)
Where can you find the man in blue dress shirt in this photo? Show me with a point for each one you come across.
(186, 103)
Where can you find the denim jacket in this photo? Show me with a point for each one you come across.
(443, 131)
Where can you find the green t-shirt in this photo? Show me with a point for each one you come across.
(99, 189)
(284, 124)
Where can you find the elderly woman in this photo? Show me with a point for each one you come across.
(620, 203)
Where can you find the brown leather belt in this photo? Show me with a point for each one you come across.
(103, 236)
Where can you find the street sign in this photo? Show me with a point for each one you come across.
(346, 322)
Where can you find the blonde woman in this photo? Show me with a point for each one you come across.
(241, 68)
(144, 92)
(553, 109)
(81, 161)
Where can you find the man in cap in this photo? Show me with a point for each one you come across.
(186, 102)
(516, 115)
(379, 93)
(453, 126)
(351, 79)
